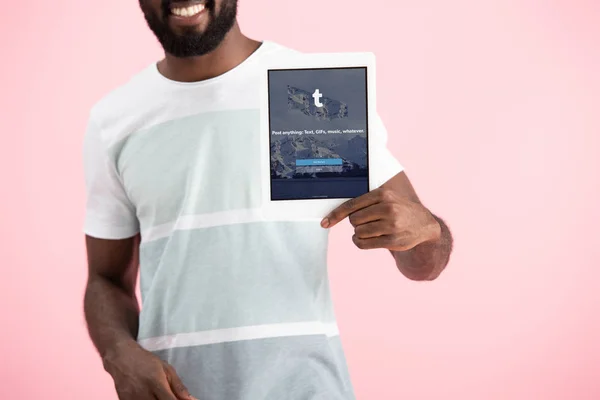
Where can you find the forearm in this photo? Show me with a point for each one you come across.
(112, 315)
(427, 260)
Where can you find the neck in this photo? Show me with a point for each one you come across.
(232, 51)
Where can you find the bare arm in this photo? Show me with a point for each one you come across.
(426, 260)
(110, 304)
(393, 217)
(112, 314)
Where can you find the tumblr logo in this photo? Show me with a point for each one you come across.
(317, 96)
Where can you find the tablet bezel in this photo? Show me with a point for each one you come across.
(309, 208)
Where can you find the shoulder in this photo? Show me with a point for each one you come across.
(275, 49)
(123, 104)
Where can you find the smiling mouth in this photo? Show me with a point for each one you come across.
(187, 9)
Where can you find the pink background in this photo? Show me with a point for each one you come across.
(492, 106)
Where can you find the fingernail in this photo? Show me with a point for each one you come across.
(325, 222)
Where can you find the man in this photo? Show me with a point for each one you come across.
(234, 307)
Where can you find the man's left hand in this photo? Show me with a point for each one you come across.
(384, 219)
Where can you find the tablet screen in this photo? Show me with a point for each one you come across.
(318, 133)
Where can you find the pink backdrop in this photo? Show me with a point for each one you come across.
(493, 107)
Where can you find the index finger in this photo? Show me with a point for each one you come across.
(350, 206)
(177, 385)
(162, 390)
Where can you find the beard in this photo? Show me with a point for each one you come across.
(191, 42)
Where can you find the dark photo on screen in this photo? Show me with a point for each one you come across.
(318, 133)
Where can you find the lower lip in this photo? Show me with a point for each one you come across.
(187, 21)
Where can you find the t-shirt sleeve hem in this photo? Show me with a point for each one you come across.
(103, 232)
(386, 172)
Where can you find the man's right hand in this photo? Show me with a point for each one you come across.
(140, 375)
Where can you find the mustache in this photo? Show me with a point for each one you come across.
(166, 4)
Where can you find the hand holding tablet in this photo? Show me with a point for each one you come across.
(317, 112)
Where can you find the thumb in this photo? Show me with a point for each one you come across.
(177, 386)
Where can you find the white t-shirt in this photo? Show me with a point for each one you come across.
(238, 305)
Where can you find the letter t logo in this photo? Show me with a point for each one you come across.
(317, 96)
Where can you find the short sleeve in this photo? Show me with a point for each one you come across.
(109, 214)
(382, 164)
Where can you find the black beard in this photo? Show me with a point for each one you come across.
(192, 43)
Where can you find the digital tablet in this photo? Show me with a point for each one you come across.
(316, 112)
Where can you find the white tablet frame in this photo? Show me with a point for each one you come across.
(310, 208)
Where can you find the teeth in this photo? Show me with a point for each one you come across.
(187, 11)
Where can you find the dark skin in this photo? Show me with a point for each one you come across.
(110, 305)
(234, 49)
(112, 314)
(390, 217)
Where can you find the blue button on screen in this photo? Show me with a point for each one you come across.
(318, 161)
